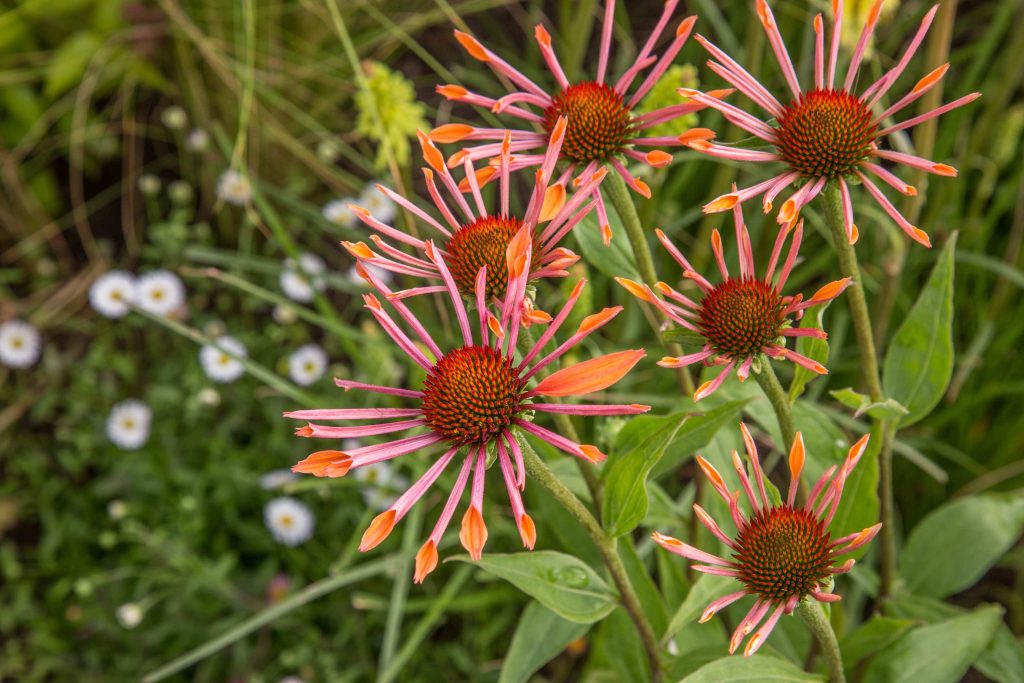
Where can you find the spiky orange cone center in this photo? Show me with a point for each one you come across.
(471, 394)
(826, 133)
(484, 242)
(599, 122)
(782, 552)
(741, 316)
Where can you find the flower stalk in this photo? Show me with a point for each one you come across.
(871, 377)
(618, 193)
(776, 395)
(814, 616)
(606, 545)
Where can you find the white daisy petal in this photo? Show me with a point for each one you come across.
(19, 344)
(378, 204)
(289, 521)
(337, 211)
(275, 479)
(160, 292)
(300, 280)
(113, 293)
(220, 359)
(128, 424)
(234, 188)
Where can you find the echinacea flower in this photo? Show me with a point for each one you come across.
(782, 553)
(220, 360)
(743, 316)
(828, 133)
(303, 277)
(476, 236)
(19, 344)
(307, 364)
(290, 522)
(603, 127)
(234, 188)
(113, 293)
(128, 424)
(475, 397)
(160, 292)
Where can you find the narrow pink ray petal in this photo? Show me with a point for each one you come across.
(353, 413)
(586, 452)
(674, 545)
(391, 449)
(554, 326)
(848, 225)
(919, 89)
(755, 461)
(794, 249)
(741, 78)
(395, 332)
(733, 114)
(715, 478)
(755, 643)
(712, 526)
(683, 361)
(720, 604)
(746, 250)
(606, 39)
(778, 46)
(862, 42)
(517, 456)
(544, 42)
(453, 501)
(422, 485)
(481, 53)
(734, 153)
(861, 539)
(837, 32)
(717, 571)
(754, 616)
(348, 384)
(917, 162)
(882, 85)
(716, 247)
(524, 523)
(796, 467)
(682, 33)
(915, 233)
(778, 184)
(819, 52)
(741, 470)
(474, 187)
(709, 387)
(453, 291)
(316, 431)
(938, 111)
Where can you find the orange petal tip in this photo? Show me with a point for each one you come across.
(527, 531)
(379, 529)
(686, 25)
(634, 288)
(426, 561)
(723, 203)
(452, 92)
(473, 533)
(592, 453)
(657, 158)
(590, 375)
(451, 132)
(472, 46)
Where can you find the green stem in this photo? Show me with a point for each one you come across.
(618, 193)
(811, 612)
(776, 395)
(606, 546)
(870, 375)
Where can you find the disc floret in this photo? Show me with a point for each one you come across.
(826, 133)
(741, 316)
(483, 242)
(599, 121)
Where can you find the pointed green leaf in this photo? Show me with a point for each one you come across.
(919, 361)
(753, 669)
(540, 636)
(560, 582)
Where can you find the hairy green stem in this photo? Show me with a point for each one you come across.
(813, 615)
(870, 375)
(618, 193)
(606, 546)
(777, 396)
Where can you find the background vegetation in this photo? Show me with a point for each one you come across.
(177, 526)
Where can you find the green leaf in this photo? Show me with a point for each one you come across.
(706, 589)
(980, 528)
(540, 636)
(876, 634)
(753, 669)
(643, 584)
(614, 260)
(618, 650)
(695, 433)
(625, 494)
(69, 63)
(919, 361)
(812, 347)
(691, 341)
(938, 652)
(560, 582)
(862, 403)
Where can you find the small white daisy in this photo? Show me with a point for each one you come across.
(174, 117)
(113, 293)
(300, 280)
(160, 292)
(19, 344)
(234, 188)
(378, 203)
(128, 424)
(220, 359)
(337, 211)
(307, 364)
(130, 614)
(117, 509)
(197, 140)
(289, 521)
(275, 479)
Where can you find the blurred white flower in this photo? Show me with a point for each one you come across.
(307, 364)
(130, 615)
(289, 521)
(220, 359)
(117, 509)
(19, 344)
(113, 293)
(378, 203)
(128, 424)
(291, 679)
(284, 315)
(149, 184)
(174, 117)
(299, 281)
(380, 484)
(234, 188)
(160, 292)
(275, 479)
(337, 211)
(208, 396)
(197, 140)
